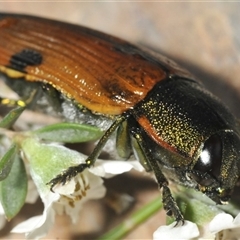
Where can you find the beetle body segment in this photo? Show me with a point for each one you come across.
(197, 150)
(168, 114)
(175, 127)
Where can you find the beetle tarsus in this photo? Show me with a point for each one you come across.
(171, 207)
(67, 175)
(179, 222)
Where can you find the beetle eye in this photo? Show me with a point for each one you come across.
(210, 160)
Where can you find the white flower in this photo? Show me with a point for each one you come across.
(45, 161)
(185, 232)
(67, 199)
(79, 190)
(226, 226)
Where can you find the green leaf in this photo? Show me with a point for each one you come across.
(13, 189)
(69, 132)
(48, 160)
(11, 117)
(199, 212)
(7, 161)
(198, 207)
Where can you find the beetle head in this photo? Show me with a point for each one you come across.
(218, 166)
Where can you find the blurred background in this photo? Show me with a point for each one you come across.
(202, 37)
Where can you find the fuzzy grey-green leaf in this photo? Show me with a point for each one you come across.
(7, 161)
(13, 189)
(48, 160)
(69, 132)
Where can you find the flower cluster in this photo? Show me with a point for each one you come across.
(69, 198)
(43, 161)
(223, 226)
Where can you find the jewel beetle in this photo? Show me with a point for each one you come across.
(160, 113)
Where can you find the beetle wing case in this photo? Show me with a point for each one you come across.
(103, 73)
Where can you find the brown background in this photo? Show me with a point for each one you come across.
(203, 37)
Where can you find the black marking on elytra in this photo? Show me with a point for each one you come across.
(27, 57)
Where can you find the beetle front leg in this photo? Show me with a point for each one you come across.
(71, 172)
(169, 203)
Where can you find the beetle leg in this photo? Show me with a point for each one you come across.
(140, 154)
(169, 203)
(97, 150)
(71, 172)
(123, 141)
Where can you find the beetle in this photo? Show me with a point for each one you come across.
(150, 102)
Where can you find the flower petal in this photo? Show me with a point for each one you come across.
(236, 220)
(225, 226)
(220, 222)
(187, 231)
(38, 226)
(108, 168)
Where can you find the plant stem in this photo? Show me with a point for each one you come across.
(137, 218)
